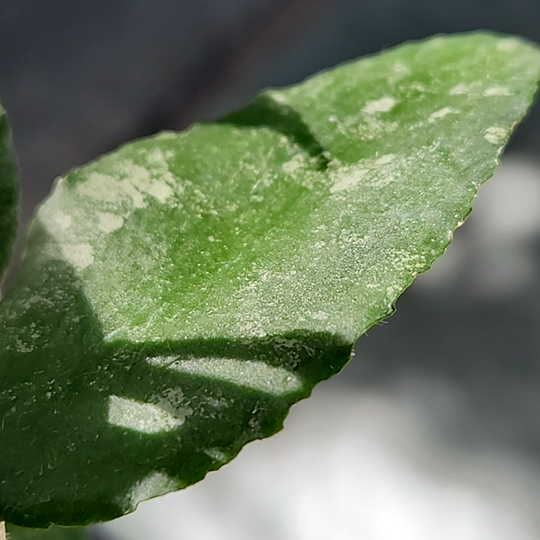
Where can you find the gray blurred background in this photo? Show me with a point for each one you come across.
(433, 430)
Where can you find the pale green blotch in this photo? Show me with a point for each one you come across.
(143, 417)
(255, 375)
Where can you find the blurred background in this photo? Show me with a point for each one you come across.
(433, 429)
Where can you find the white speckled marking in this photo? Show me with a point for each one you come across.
(507, 45)
(109, 222)
(348, 178)
(102, 187)
(143, 181)
(164, 135)
(142, 417)
(293, 164)
(495, 135)
(22, 347)
(64, 221)
(246, 373)
(497, 91)
(460, 89)
(400, 70)
(441, 113)
(154, 484)
(383, 160)
(383, 104)
(79, 255)
(216, 454)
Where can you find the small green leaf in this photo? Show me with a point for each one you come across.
(8, 193)
(180, 294)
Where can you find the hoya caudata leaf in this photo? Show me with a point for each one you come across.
(180, 294)
(8, 193)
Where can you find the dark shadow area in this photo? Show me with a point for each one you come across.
(8, 195)
(80, 438)
(265, 111)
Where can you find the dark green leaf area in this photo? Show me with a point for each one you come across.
(180, 294)
(8, 193)
(90, 428)
(53, 533)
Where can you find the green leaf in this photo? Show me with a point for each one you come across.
(53, 533)
(8, 193)
(180, 294)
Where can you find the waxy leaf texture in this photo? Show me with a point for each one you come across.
(180, 294)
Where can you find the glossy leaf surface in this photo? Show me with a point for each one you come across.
(180, 294)
(8, 193)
